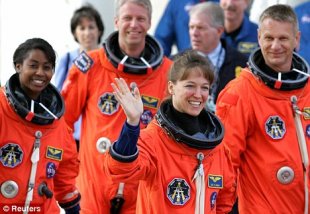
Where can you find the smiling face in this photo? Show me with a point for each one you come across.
(278, 41)
(35, 73)
(133, 22)
(190, 95)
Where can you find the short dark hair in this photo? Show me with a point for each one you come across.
(86, 11)
(21, 53)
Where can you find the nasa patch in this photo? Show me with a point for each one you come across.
(275, 127)
(83, 62)
(308, 130)
(50, 169)
(213, 200)
(107, 104)
(146, 117)
(11, 155)
(178, 191)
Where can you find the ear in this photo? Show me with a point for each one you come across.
(170, 88)
(116, 23)
(18, 68)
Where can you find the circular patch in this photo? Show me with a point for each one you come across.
(50, 169)
(146, 117)
(213, 200)
(103, 144)
(11, 155)
(178, 191)
(9, 189)
(308, 130)
(285, 175)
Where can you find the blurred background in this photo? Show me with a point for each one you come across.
(50, 20)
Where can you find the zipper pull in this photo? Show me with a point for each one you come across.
(200, 157)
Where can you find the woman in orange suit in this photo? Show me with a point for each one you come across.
(179, 156)
(38, 156)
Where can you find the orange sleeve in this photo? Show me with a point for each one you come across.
(68, 169)
(234, 112)
(74, 93)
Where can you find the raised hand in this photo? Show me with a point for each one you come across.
(130, 101)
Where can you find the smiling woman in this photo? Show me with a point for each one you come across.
(31, 112)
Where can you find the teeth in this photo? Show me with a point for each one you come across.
(195, 103)
(38, 81)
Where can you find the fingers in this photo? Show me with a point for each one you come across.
(136, 93)
(122, 85)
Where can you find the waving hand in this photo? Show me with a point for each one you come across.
(130, 101)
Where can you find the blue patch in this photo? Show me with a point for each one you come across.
(107, 104)
(83, 62)
(146, 117)
(213, 200)
(151, 102)
(11, 155)
(54, 153)
(50, 169)
(215, 181)
(308, 130)
(275, 127)
(178, 191)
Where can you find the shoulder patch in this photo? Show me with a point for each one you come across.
(83, 62)
(11, 155)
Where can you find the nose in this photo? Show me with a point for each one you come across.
(40, 71)
(133, 22)
(275, 44)
(198, 92)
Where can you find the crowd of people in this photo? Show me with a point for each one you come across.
(126, 126)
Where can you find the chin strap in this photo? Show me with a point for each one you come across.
(302, 148)
(199, 178)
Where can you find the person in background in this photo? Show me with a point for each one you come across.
(265, 112)
(303, 14)
(239, 32)
(179, 156)
(258, 6)
(129, 53)
(206, 26)
(172, 28)
(38, 155)
(87, 29)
